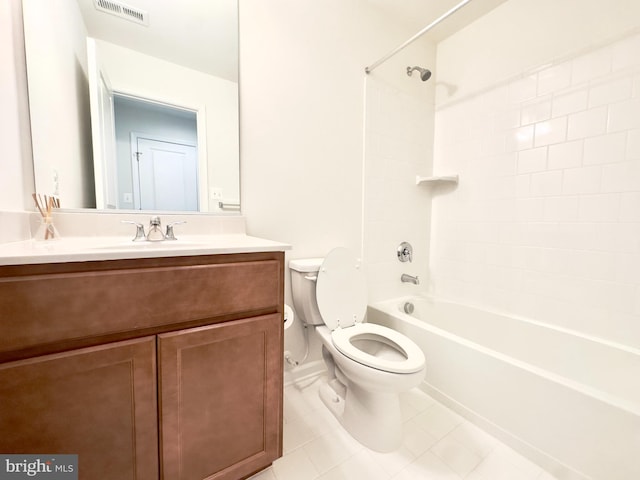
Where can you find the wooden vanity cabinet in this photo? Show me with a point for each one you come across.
(97, 402)
(187, 386)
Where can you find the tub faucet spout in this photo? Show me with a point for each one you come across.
(410, 279)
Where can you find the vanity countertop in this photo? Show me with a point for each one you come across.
(78, 249)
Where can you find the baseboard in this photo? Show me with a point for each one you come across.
(537, 456)
(306, 371)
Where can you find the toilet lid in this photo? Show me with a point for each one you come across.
(341, 289)
(410, 360)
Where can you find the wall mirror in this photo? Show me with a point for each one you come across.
(134, 105)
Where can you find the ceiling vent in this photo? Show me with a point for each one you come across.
(123, 11)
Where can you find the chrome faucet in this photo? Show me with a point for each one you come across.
(410, 279)
(140, 235)
(155, 230)
(170, 235)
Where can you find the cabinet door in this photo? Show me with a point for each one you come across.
(99, 403)
(221, 399)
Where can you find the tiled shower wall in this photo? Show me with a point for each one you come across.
(545, 222)
(398, 146)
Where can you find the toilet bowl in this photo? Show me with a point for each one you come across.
(368, 365)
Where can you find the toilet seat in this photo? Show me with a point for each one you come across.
(341, 289)
(343, 341)
(341, 294)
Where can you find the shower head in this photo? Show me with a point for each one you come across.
(425, 74)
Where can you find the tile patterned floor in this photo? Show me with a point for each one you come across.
(438, 445)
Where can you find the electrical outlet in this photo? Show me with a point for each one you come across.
(215, 193)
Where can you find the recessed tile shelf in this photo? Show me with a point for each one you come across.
(437, 180)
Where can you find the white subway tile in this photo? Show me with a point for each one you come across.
(561, 209)
(605, 149)
(540, 283)
(570, 235)
(550, 132)
(505, 164)
(519, 139)
(505, 255)
(565, 155)
(533, 160)
(495, 99)
(618, 237)
(630, 207)
(504, 278)
(591, 265)
(506, 119)
(588, 123)
(522, 89)
(600, 208)
(627, 268)
(548, 260)
(535, 112)
(493, 144)
(529, 209)
(621, 177)
(582, 180)
(592, 65)
(635, 93)
(523, 185)
(546, 183)
(554, 78)
(624, 115)
(633, 145)
(570, 101)
(610, 91)
(625, 53)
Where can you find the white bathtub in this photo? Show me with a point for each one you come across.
(568, 402)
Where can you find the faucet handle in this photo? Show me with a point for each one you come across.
(405, 252)
(170, 235)
(140, 235)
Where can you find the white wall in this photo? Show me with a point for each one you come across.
(302, 114)
(303, 117)
(545, 221)
(524, 34)
(55, 38)
(16, 179)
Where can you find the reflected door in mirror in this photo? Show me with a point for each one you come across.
(165, 176)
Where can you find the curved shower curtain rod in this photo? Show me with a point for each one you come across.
(375, 65)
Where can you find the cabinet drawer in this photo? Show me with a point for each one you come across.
(65, 304)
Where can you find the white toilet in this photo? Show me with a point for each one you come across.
(368, 364)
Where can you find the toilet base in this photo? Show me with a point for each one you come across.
(373, 419)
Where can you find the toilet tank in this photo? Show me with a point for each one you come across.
(303, 289)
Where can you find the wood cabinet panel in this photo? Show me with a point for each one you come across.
(42, 305)
(97, 402)
(221, 399)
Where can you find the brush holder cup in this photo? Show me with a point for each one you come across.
(47, 230)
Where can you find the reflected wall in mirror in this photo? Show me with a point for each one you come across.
(178, 55)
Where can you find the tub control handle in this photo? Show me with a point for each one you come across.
(405, 252)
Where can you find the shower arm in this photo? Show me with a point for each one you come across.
(375, 65)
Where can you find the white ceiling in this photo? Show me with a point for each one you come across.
(199, 34)
(202, 34)
(420, 13)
